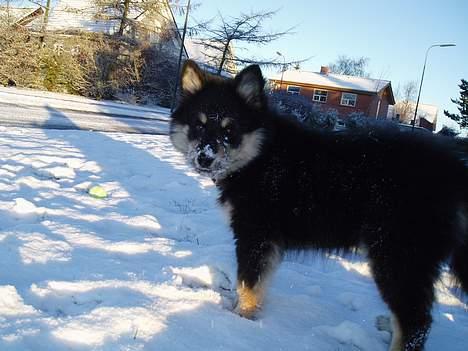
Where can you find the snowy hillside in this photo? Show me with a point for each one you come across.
(152, 267)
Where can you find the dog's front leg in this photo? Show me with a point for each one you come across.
(256, 262)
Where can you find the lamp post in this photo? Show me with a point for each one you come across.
(283, 68)
(422, 78)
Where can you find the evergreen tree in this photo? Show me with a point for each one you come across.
(462, 102)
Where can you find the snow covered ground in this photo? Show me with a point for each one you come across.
(152, 267)
(32, 108)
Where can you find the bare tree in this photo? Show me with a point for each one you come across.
(350, 66)
(123, 21)
(129, 12)
(246, 28)
(405, 106)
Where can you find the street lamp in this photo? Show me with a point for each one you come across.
(283, 68)
(422, 78)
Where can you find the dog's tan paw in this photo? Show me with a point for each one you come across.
(249, 313)
(248, 303)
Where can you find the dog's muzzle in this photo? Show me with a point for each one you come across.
(204, 160)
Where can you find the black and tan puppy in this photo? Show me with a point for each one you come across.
(402, 197)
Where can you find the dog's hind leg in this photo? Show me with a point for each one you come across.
(406, 285)
(256, 262)
(459, 256)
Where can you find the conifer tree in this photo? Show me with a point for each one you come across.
(462, 102)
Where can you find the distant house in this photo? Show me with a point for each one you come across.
(73, 16)
(346, 94)
(426, 117)
(208, 57)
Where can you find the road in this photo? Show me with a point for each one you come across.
(29, 108)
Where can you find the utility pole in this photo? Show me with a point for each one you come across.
(282, 68)
(180, 57)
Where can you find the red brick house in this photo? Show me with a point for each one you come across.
(346, 94)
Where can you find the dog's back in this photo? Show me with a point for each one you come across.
(332, 189)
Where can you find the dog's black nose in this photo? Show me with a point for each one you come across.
(204, 160)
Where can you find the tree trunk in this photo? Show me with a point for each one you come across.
(223, 59)
(8, 12)
(123, 22)
(46, 16)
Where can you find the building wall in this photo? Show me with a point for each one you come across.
(384, 104)
(366, 103)
(426, 124)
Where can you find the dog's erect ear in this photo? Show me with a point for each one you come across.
(249, 85)
(192, 78)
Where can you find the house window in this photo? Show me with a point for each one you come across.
(348, 99)
(293, 90)
(320, 95)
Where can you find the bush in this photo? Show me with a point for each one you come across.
(304, 110)
(448, 132)
(89, 64)
(19, 58)
(158, 75)
(358, 120)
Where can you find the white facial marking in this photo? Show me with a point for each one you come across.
(247, 150)
(227, 159)
(179, 137)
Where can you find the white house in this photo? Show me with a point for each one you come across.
(83, 15)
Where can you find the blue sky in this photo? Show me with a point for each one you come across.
(394, 35)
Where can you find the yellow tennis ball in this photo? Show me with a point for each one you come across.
(97, 192)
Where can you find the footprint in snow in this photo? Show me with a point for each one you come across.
(206, 277)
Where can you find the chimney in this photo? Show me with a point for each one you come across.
(324, 70)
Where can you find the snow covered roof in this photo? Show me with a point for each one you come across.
(206, 56)
(79, 14)
(338, 81)
(426, 111)
(15, 14)
(83, 15)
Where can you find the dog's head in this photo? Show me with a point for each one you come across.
(219, 124)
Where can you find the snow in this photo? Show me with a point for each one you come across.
(332, 80)
(152, 266)
(23, 107)
(36, 98)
